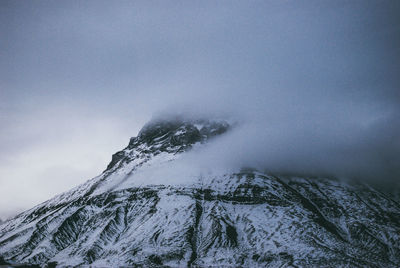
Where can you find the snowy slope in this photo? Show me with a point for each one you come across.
(131, 215)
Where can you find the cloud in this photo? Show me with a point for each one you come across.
(314, 85)
(52, 150)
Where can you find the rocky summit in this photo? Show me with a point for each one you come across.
(134, 215)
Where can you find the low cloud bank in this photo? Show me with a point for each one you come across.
(336, 137)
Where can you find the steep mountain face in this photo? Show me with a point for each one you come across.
(133, 215)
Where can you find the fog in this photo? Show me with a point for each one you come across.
(314, 86)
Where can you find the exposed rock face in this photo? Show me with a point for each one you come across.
(172, 137)
(245, 218)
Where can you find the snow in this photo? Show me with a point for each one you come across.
(179, 132)
(199, 126)
(161, 204)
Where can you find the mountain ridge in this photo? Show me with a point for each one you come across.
(131, 215)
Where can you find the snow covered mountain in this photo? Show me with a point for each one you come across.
(138, 213)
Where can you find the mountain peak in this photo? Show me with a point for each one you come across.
(160, 126)
(172, 135)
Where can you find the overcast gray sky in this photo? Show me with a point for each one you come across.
(315, 80)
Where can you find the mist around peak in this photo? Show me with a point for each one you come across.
(331, 138)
